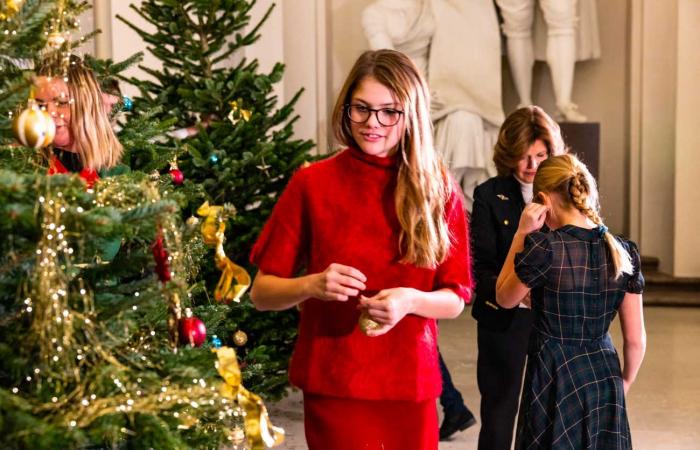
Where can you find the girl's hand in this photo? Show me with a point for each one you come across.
(626, 386)
(532, 218)
(388, 307)
(336, 283)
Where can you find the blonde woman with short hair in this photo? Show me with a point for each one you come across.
(375, 230)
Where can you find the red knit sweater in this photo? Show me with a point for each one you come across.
(341, 210)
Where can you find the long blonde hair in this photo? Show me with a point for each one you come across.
(567, 176)
(93, 137)
(423, 187)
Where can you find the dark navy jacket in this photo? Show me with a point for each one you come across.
(498, 203)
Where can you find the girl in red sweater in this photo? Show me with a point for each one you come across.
(84, 142)
(377, 229)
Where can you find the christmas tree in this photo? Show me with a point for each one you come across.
(96, 350)
(243, 152)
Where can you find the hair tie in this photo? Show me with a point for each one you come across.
(601, 229)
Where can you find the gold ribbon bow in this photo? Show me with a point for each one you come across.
(237, 112)
(258, 429)
(213, 229)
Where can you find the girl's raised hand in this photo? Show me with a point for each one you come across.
(532, 218)
(337, 283)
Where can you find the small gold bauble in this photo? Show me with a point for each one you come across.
(366, 323)
(192, 221)
(34, 127)
(56, 40)
(240, 338)
(237, 435)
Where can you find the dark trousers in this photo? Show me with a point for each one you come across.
(450, 399)
(499, 372)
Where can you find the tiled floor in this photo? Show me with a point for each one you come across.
(664, 403)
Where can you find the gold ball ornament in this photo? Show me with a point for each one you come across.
(192, 221)
(237, 435)
(56, 40)
(366, 323)
(34, 128)
(10, 8)
(240, 338)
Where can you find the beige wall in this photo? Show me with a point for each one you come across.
(642, 93)
(658, 115)
(687, 144)
(600, 89)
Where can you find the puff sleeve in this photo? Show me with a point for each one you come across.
(281, 248)
(635, 283)
(533, 263)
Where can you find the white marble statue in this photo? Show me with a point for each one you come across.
(456, 44)
(572, 34)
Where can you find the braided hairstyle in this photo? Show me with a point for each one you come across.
(567, 176)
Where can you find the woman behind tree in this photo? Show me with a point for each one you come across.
(581, 276)
(377, 228)
(85, 142)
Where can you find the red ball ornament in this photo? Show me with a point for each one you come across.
(177, 176)
(192, 330)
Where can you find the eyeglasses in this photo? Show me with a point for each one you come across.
(386, 117)
(60, 103)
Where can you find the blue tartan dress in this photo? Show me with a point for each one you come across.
(573, 396)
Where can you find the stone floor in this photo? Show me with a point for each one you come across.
(664, 403)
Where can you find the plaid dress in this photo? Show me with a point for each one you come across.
(573, 396)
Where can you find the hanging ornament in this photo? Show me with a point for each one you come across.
(176, 174)
(33, 127)
(263, 167)
(9, 9)
(213, 159)
(56, 40)
(155, 175)
(160, 254)
(213, 229)
(128, 104)
(192, 330)
(237, 112)
(240, 338)
(215, 341)
(192, 221)
(366, 322)
(237, 435)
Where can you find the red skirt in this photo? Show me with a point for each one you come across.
(350, 424)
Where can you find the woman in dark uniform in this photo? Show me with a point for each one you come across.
(527, 137)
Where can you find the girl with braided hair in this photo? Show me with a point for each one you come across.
(580, 277)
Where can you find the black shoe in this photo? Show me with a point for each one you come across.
(454, 422)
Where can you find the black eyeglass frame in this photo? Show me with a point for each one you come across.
(349, 106)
